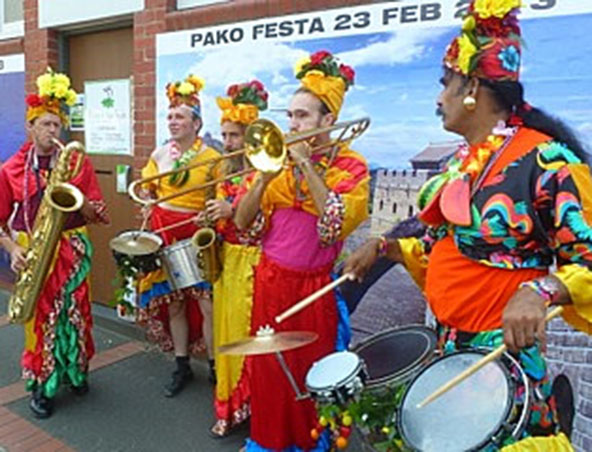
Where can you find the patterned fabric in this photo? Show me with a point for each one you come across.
(532, 208)
(329, 225)
(347, 177)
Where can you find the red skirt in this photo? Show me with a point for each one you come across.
(278, 421)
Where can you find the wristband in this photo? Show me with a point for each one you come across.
(544, 287)
(382, 246)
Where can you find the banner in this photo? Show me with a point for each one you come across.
(12, 107)
(396, 49)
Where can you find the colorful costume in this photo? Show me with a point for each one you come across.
(528, 206)
(300, 246)
(58, 339)
(154, 289)
(233, 291)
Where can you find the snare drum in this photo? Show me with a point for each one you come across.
(337, 378)
(180, 263)
(480, 411)
(139, 249)
(394, 356)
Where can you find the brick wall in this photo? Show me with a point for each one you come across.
(570, 353)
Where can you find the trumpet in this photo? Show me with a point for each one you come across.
(266, 148)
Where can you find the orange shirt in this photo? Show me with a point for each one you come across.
(466, 294)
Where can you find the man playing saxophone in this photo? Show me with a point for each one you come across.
(58, 340)
(178, 320)
(233, 291)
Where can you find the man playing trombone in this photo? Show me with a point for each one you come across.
(303, 213)
(175, 319)
(233, 291)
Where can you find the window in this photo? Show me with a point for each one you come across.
(12, 22)
(381, 205)
(184, 4)
(13, 10)
(410, 211)
(395, 207)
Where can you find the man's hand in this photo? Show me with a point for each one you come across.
(523, 320)
(299, 152)
(217, 209)
(362, 259)
(17, 258)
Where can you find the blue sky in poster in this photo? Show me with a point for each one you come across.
(396, 81)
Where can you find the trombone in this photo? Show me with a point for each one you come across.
(266, 148)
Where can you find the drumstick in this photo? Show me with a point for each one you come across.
(175, 225)
(311, 298)
(478, 365)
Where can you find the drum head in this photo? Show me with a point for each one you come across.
(136, 243)
(464, 418)
(395, 354)
(332, 370)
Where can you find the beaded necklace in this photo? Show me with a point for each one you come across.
(180, 178)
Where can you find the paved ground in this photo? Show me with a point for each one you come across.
(125, 410)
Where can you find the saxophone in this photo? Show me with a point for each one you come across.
(205, 241)
(59, 200)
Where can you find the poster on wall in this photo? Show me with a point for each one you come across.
(107, 117)
(396, 49)
(12, 107)
(77, 114)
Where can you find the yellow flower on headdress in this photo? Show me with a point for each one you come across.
(61, 79)
(71, 97)
(185, 88)
(496, 8)
(196, 81)
(241, 113)
(466, 50)
(44, 84)
(300, 64)
(469, 23)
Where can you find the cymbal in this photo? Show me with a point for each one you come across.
(136, 243)
(269, 342)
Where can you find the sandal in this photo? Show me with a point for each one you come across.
(220, 429)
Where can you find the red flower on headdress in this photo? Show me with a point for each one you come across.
(347, 72)
(318, 57)
(233, 90)
(264, 95)
(34, 100)
(257, 85)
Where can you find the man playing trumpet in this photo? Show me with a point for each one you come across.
(58, 340)
(233, 292)
(303, 213)
(176, 319)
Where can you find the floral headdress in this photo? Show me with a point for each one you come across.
(55, 96)
(489, 44)
(244, 102)
(186, 93)
(323, 75)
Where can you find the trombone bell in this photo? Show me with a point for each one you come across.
(265, 146)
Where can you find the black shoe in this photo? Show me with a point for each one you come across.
(80, 390)
(212, 372)
(178, 381)
(41, 406)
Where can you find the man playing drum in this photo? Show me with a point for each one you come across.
(233, 291)
(303, 213)
(58, 340)
(175, 319)
(512, 202)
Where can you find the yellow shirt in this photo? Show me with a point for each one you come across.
(194, 200)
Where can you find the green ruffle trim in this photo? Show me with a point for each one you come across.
(66, 346)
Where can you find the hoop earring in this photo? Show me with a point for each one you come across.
(470, 103)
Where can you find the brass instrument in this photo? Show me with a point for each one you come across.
(59, 200)
(267, 150)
